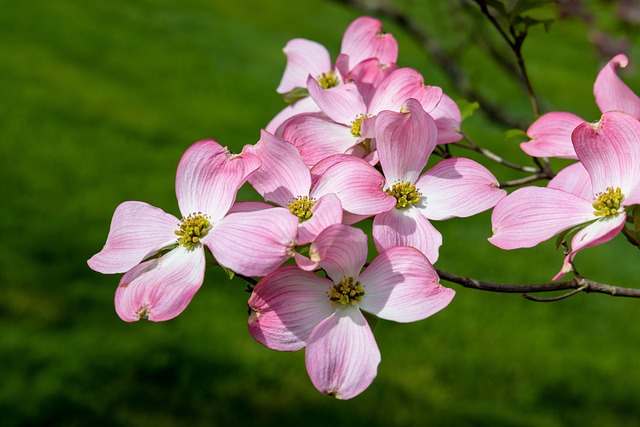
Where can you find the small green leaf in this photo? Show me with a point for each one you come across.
(372, 319)
(467, 108)
(515, 133)
(230, 272)
(295, 95)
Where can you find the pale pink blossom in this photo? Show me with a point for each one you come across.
(609, 156)
(163, 256)
(291, 309)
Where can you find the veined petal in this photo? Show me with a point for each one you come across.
(326, 211)
(610, 152)
(402, 285)
(285, 307)
(448, 119)
(573, 179)
(343, 104)
(303, 106)
(357, 184)
(304, 58)
(161, 288)
(364, 38)
(406, 227)
(396, 88)
(283, 175)
(253, 243)
(551, 136)
(611, 93)
(531, 215)
(249, 207)
(368, 75)
(138, 230)
(209, 177)
(342, 356)
(457, 187)
(342, 251)
(317, 138)
(404, 142)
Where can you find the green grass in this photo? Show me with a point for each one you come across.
(99, 100)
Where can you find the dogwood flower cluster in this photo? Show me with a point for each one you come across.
(594, 195)
(353, 147)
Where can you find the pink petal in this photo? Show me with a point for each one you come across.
(368, 75)
(138, 230)
(551, 136)
(283, 175)
(342, 356)
(209, 177)
(573, 179)
(406, 227)
(448, 119)
(611, 93)
(318, 138)
(457, 187)
(285, 307)
(610, 151)
(357, 184)
(404, 142)
(531, 215)
(303, 106)
(401, 285)
(253, 243)
(343, 104)
(365, 38)
(304, 58)
(160, 289)
(397, 87)
(326, 211)
(249, 207)
(342, 251)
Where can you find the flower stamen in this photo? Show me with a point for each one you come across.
(328, 80)
(405, 193)
(192, 229)
(608, 202)
(301, 207)
(346, 292)
(357, 124)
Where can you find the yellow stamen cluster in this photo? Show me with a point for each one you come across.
(405, 193)
(192, 229)
(608, 202)
(301, 207)
(346, 292)
(328, 80)
(357, 124)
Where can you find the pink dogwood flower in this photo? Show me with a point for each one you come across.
(551, 134)
(609, 153)
(160, 287)
(291, 308)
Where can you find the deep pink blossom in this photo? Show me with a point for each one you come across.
(292, 308)
(158, 285)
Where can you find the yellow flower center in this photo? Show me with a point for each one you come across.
(192, 229)
(328, 80)
(357, 124)
(405, 193)
(346, 292)
(301, 207)
(608, 202)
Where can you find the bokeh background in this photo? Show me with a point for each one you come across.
(98, 100)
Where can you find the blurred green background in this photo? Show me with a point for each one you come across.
(98, 100)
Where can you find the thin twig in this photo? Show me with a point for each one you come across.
(492, 156)
(554, 299)
(525, 180)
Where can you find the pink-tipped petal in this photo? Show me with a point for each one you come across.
(138, 230)
(551, 136)
(611, 93)
(303, 106)
(610, 151)
(404, 142)
(342, 356)
(342, 251)
(343, 104)
(368, 75)
(365, 38)
(317, 138)
(286, 305)
(283, 175)
(209, 177)
(160, 289)
(573, 179)
(448, 119)
(402, 285)
(531, 215)
(326, 211)
(397, 87)
(457, 187)
(357, 184)
(306, 263)
(253, 243)
(406, 227)
(304, 58)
